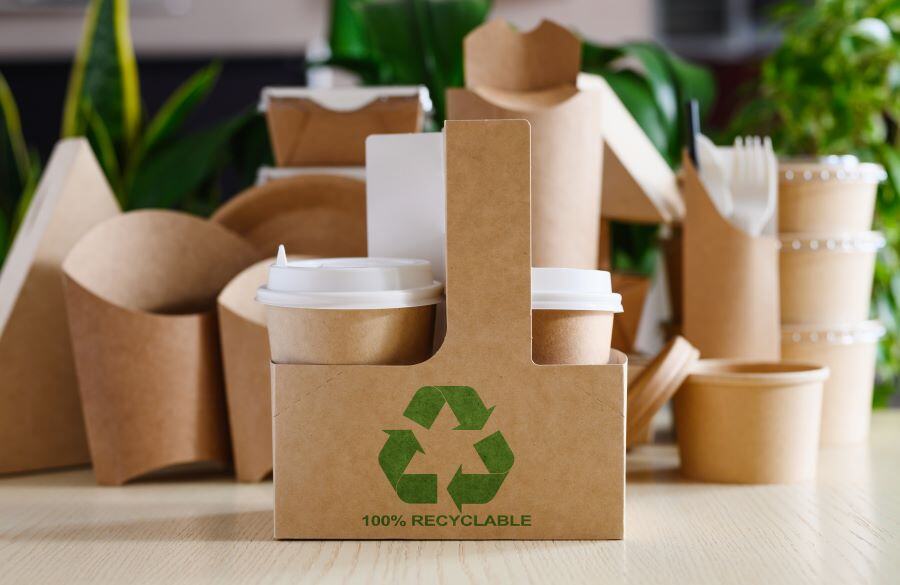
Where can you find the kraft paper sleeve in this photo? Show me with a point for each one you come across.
(41, 424)
(730, 280)
(140, 292)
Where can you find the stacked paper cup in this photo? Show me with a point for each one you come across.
(826, 208)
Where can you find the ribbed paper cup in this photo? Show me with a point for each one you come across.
(350, 310)
(831, 194)
(572, 315)
(827, 279)
(749, 422)
(849, 353)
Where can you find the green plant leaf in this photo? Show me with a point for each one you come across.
(638, 99)
(661, 81)
(5, 239)
(251, 149)
(598, 58)
(172, 174)
(34, 175)
(692, 82)
(347, 36)
(171, 116)
(14, 160)
(102, 144)
(104, 76)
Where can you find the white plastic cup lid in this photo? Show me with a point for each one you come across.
(349, 283)
(572, 289)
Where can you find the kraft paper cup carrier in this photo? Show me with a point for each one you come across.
(477, 432)
(140, 294)
(834, 194)
(827, 279)
(40, 413)
(511, 75)
(749, 422)
(849, 353)
(328, 127)
(729, 282)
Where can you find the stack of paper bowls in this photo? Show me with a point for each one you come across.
(826, 207)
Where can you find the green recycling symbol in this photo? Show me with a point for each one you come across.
(464, 488)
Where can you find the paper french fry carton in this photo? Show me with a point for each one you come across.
(511, 75)
(328, 127)
(476, 442)
(311, 214)
(729, 282)
(140, 290)
(40, 415)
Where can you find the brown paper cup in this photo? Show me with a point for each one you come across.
(849, 354)
(823, 197)
(140, 294)
(750, 422)
(305, 133)
(366, 336)
(315, 215)
(827, 280)
(571, 337)
(41, 425)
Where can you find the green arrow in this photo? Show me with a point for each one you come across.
(425, 406)
(495, 452)
(397, 452)
(418, 488)
(466, 488)
(465, 403)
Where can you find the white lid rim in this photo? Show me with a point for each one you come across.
(352, 300)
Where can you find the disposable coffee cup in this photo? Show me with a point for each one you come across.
(572, 315)
(375, 311)
(828, 194)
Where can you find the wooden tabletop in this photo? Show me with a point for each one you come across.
(844, 528)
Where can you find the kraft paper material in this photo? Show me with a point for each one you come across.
(825, 287)
(634, 289)
(304, 133)
(366, 336)
(140, 292)
(312, 215)
(510, 75)
(492, 446)
(824, 206)
(40, 414)
(730, 282)
(847, 401)
(749, 422)
(571, 337)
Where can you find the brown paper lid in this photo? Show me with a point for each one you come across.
(659, 381)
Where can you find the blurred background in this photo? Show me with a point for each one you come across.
(160, 83)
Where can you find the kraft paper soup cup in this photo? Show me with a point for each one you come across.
(849, 353)
(350, 310)
(744, 422)
(827, 279)
(830, 194)
(572, 315)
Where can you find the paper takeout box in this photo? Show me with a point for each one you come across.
(328, 127)
(533, 76)
(730, 282)
(311, 214)
(140, 291)
(40, 415)
(477, 442)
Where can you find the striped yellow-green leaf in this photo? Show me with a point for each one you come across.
(104, 78)
(14, 159)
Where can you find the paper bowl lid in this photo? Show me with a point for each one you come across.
(830, 167)
(864, 332)
(572, 289)
(350, 283)
(658, 383)
(842, 242)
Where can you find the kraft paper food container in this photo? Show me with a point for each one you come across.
(634, 289)
(729, 282)
(330, 421)
(140, 293)
(827, 279)
(532, 76)
(750, 422)
(572, 315)
(831, 194)
(313, 215)
(849, 354)
(328, 127)
(350, 310)
(40, 414)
